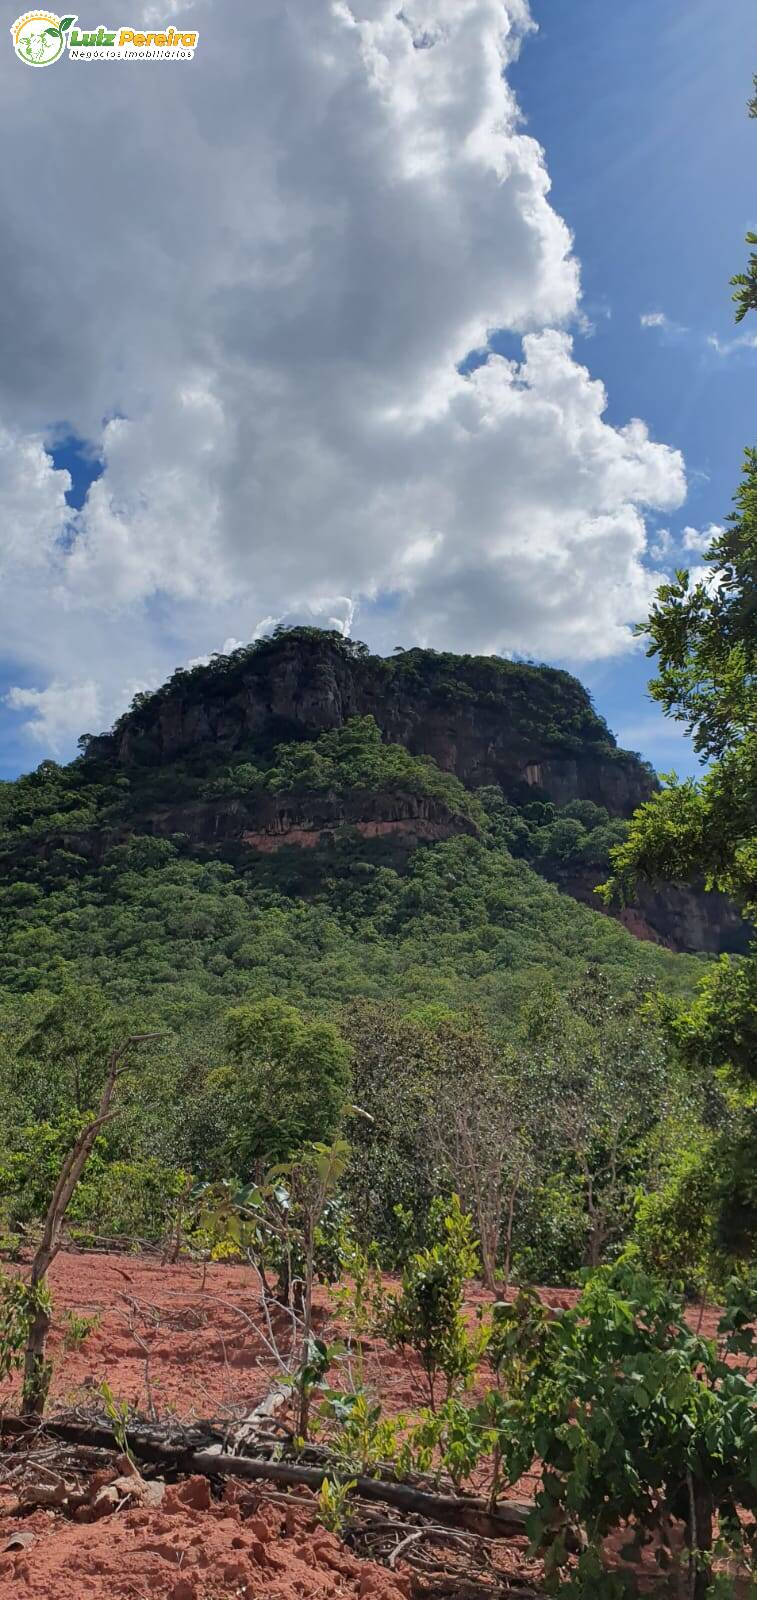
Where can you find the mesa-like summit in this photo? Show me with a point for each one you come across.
(393, 775)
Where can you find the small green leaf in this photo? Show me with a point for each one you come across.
(65, 23)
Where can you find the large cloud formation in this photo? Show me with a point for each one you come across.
(252, 283)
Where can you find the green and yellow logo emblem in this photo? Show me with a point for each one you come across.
(39, 37)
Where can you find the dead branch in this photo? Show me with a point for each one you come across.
(417, 1534)
(473, 1515)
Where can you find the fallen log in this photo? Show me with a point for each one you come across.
(456, 1511)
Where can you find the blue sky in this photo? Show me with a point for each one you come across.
(264, 455)
(642, 112)
(80, 462)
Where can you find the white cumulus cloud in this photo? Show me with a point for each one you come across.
(700, 539)
(295, 245)
(60, 713)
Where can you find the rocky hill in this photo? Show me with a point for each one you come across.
(304, 739)
(530, 729)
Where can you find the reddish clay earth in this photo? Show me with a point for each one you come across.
(195, 1346)
(190, 1549)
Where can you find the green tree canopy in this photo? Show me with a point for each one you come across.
(704, 636)
(288, 1083)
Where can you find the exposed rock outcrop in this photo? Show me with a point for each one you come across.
(412, 831)
(532, 730)
(680, 915)
(268, 824)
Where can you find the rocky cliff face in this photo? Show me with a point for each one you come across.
(532, 730)
(679, 915)
(267, 825)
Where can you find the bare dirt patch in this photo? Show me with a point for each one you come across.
(190, 1549)
(194, 1344)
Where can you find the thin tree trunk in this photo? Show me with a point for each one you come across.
(508, 1261)
(488, 1256)
(37, 1371)
(304, 1406)
(700, 1537)
(488, 1261)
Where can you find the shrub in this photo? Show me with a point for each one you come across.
(674, 1227)
(29, 1169)
(638, 1420)
(550, 1232)
(290, 1081)
(19, 1303)
(76, 1329)
(136, 1200)
(427, 1316)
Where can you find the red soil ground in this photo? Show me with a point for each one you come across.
(192, 1549)
(196, 1349)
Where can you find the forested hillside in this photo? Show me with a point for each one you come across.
(329, 865)
(290, 928)
(249, 842)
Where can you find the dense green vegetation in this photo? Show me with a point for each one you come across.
(703, 636)
(460, 923)
(445, 945)
(352, 761)
(705, 640)
(578, 836)
(282, 983)
(348, 762)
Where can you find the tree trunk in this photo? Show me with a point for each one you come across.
(700, 1537)
(508, 1262)
(303, 1420)
(37, 1372)
(488, 1261)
